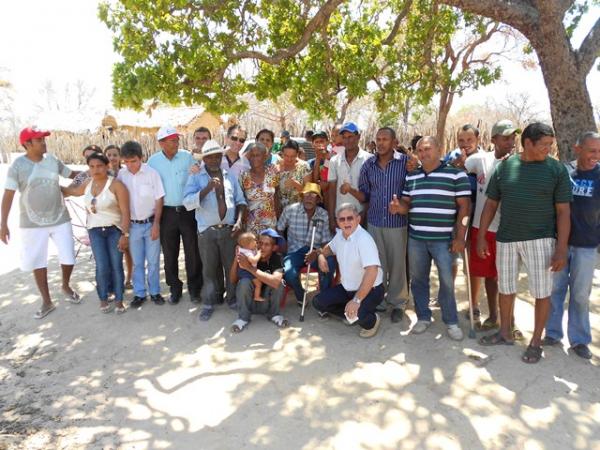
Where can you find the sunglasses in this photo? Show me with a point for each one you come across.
(345, 219)
(93, 206)
(237, 139)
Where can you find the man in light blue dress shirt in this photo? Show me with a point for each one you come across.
(177, 223)
(219, 203)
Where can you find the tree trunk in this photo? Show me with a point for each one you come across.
(444, 105)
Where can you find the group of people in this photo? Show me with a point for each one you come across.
(369, 224)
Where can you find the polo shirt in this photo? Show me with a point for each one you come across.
(433, 195)
(354, 255)
(207, 210)
(239, 165)
(341, 171)
(173, 173)
(145, 187)
(379, 185)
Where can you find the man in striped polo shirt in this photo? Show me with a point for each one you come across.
(533, 192)
(437, 198)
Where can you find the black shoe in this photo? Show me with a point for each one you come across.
(195, 298)
(582, 351)
(174, 298)
(157, 299)
(550, 342)
(137, 302)
(397, 315)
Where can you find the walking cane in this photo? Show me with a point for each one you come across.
(467, 271)
(312, 243)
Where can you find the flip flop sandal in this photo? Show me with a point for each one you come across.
(517, 335)
(74, 298)
(494, 339)
(44, 312)
(280, 321)
(488, 325)
(120, 309)
(532, 355)
(238, 326)
(106, 309)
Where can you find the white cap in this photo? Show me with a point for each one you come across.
(166, 131)
(210, 147)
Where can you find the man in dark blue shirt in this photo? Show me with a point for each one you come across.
(578, 274)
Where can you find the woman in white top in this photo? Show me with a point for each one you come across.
(107, 206)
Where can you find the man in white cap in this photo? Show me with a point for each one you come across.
(219, 203)
(43, 214)
(177, 223)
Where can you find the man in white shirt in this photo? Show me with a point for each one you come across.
(344, 173)
(361, 287)
(146, 196)
(483, 164)
(232, 161)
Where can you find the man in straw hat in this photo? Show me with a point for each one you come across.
(219, 203)
(298, 219)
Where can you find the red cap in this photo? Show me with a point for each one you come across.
(30, 133)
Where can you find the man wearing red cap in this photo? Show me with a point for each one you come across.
(43, 214)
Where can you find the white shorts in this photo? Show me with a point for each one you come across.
(536, 255)
(34, 246)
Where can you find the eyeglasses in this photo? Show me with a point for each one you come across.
(237, 139)
(93, 206)
(345, 219)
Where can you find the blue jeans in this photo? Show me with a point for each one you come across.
(420, 255)
(109, 261)
(144, 250)
(577, 278)
(292, 264)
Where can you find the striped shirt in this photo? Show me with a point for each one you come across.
(433, 195)
(379, 185)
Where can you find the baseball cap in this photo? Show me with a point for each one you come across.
(504, 128)
(349, 126)
(312, 187)
(285, 133)
(30, 133)
(166, 132)
(320, 134)
(279, 240)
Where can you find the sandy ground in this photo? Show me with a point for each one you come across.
(158, 378)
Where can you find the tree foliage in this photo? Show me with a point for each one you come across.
(322, 53)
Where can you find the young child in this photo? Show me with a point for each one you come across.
(247, 246)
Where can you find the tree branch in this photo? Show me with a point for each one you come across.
(320, 19)
(519, 14)
(589, 49)
(390, 38)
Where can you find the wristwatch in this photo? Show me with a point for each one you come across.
(356, 300)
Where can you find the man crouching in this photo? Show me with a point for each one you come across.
(361, 288)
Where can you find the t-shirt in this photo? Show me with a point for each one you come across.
(273, 265)
(482, 165)
(41, 201)
(585, 208)
(341, 171)
(528, 191)
(433, 195)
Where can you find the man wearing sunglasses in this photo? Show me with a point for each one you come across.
(233, 162)
(361, 287)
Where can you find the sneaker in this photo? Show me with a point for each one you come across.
(455, 333)
(157, 299)
(420, 326)
(550, 341)
(206, 313)
(372, 331)
(582, 351)
(137, 301)
(174, 298)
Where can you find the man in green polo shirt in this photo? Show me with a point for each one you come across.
(533, 192)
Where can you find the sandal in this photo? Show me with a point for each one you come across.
(488, 325)
(73, 297)
(120, 309)
(238, 326)
(280, 321)
(532, 355)
(517, 335)
(494, 339)
(106, 309)
(44, 311)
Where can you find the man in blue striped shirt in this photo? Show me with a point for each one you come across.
(437, 198)
(380, 179)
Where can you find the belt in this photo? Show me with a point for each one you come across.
(220, 226)
(178, 209)
(148, 220)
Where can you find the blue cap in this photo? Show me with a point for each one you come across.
(274, 234)
(349, 126)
